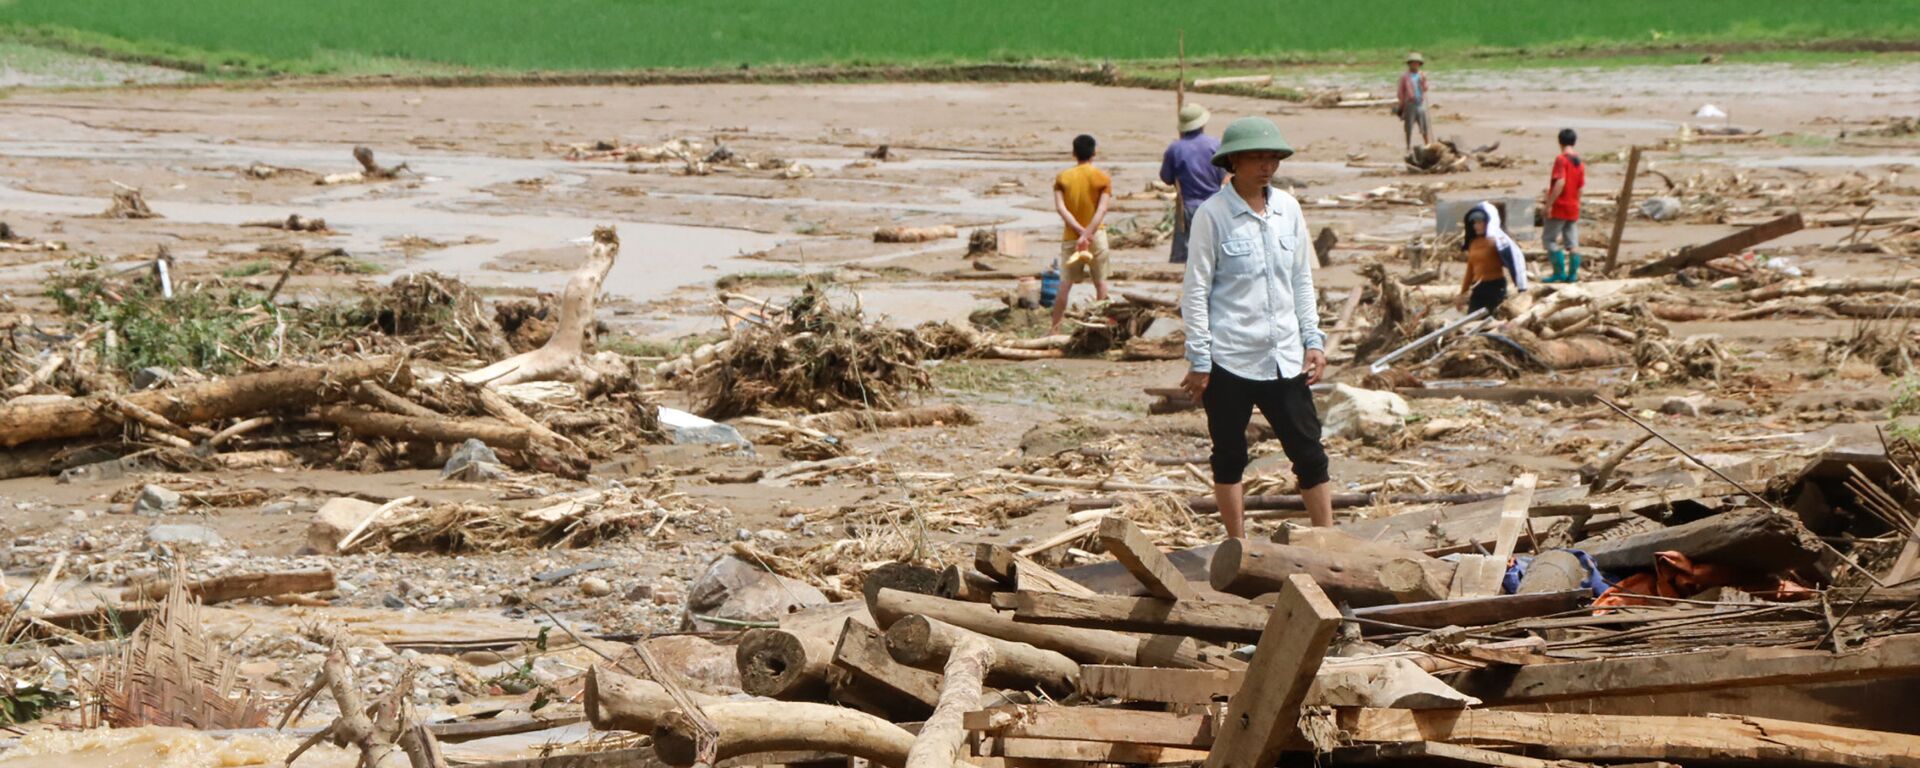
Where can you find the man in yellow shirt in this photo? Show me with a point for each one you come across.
(1081, 195)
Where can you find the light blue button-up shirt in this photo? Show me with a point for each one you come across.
(1248, 302)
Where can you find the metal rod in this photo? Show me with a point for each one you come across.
(1381, 364)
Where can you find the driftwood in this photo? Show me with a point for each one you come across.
(221, 589)
(562, 356)
(938, 743)
(615, 701)
(922, 416)
(438, 429)
(234, 397)
(1083, 645)
(1726, 246)
(795, 662)
(926, 643)
(373, 170)
(913, 234)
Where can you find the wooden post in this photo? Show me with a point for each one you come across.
(1620, 209)
(1135, 551)
(1261, 716)
(1180, 88)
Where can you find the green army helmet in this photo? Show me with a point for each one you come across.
(1249, 134)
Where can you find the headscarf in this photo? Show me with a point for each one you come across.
(1510, 254)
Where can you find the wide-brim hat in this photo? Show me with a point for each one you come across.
(1192, 116)
(1416, 58)
(1251, 134)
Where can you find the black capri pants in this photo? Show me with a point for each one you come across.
(1487, 295)
(1288, 406)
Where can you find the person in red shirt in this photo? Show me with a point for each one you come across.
(1562, 231)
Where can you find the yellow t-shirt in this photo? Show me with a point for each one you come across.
(1082, 186)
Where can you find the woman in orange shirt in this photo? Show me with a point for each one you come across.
(1491, 256)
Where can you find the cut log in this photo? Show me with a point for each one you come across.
(938, 743)
(1141, 558)
(1411, 582)
(239, 586)
(1213, 622)
(1754, 539)
(921, 416)
(1261, 716)
(440, 429)
(1556, 570)
(562, 356)
(1625, 737)
(959, 583)
(1082, 645)
(1694, 256)
(924, 643)
(233, 397)
(904, 692)
(615, 701)
(1251, 569)
(795, 662)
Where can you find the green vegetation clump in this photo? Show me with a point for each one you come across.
(250, 37)
(1906, 402)
(201, 327)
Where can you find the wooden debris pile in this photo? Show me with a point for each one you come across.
(1557, 624)
(553, 408)
(809, 355)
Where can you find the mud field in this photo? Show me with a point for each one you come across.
(504, 187)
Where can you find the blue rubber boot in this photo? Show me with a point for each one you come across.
(1559, 267)
(1573, 268)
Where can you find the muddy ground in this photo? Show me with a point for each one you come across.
(494, 199)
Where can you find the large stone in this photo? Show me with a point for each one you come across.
(1164, 328)
(155, 500)
(1372, 416)
(688, 429)
(332, 522)
(741, 591)
(184, 534)
(703, 665)
(473, 461)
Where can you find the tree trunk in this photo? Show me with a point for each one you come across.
(232, 397)
(561, 356)
(444, 429)
(938, 743)
(927, 643)
(795, 662)
(1251, 569)
(1088, 646)
(221, 589)
(1411, 582)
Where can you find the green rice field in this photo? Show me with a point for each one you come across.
(421, 36)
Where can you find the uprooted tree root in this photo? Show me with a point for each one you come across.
(812, 356)
(1693, 358)
(1890, 350)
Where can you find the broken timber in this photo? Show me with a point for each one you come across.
(1694, 256)
(1261, 716)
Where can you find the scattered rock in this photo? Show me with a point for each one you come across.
(334, 520)
(1661, 208)
(735, 589)
(594, 586)
(474, 462)
(188, 534)
(1376, 418)
(640, 593)
(155, 501)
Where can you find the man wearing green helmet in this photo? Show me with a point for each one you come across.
(1252, 320)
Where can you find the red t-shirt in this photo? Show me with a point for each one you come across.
(1566, 207)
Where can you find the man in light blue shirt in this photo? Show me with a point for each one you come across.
(1252, 321)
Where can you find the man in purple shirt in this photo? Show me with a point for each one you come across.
(1188, 164)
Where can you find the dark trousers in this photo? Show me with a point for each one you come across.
(1288, 406)
(1488, 295)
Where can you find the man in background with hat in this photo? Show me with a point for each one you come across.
(1252, 320)
(1188, 166)
(1412, 107)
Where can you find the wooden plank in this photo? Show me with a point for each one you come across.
(1217, 622)
(1159, 684)
(1468, 576)
(1430, 752)
(1473, 611)
(863, 651)
(1697, 671)
(1133, 549)
(1467, 527)
(1907, 565)
(1505, 394)
(1513, 522)
(1884, 704)
(1693, 256)
(1622, 206)
(1087, 751)
(1052, 721)
(1262, 715)
(1628, 737)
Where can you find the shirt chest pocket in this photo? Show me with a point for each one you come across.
(1284, 252)
(1238, 256)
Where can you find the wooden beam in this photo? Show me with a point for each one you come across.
(1738, 538)
(1513, 521)
(1629, 737)
(1472, 611)
(1053, 721)
(863, 652)
(1696, 255)
(1159, 684)
(1016, 571)
(1215, 622)
(1253, 568)
(1430, 752)
(1262, 715)
(1137, 553)
(1697, 671)
(1622, 206)
(1086, 751)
